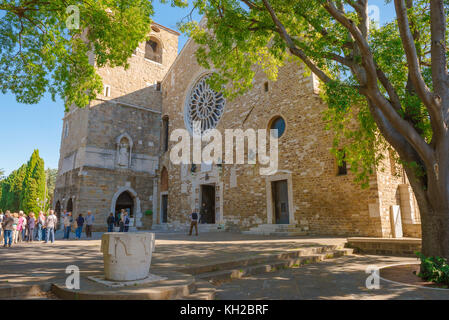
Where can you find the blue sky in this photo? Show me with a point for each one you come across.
(28, 127)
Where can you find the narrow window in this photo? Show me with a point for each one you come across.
(266, 86)
(342, 168)
(158, 86)
(66, 130)
(165, 124)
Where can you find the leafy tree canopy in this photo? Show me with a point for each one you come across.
(47, 46)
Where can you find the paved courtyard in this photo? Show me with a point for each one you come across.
(337, 279)
(341, 278)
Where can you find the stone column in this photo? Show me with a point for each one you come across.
(406, 204)
(155, 201)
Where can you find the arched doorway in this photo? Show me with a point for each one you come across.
(58, 209)
(69, 207)
(125, 201)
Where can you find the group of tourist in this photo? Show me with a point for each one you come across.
(21, 227)
(121, 221)
(69, 224)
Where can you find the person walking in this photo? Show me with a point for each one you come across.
(68, 220)
(79, 226)
(7, 226)
(193, 222)
(89, 224)
(50, 225)
(31, 225)
(110, 221)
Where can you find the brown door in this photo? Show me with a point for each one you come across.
(164, 208)
(280, 201)
(207, 209)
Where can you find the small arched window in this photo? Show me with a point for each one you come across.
(153, 50)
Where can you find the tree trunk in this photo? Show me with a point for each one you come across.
(432, 201)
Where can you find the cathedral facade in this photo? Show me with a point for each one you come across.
(118, 153)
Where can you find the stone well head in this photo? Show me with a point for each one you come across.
(127, 256)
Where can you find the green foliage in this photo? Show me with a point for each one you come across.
(38, 53)
(240, 36)
(434, 269)
(34, 184)
(21, 189)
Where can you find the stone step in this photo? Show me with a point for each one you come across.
(185, 228)
(203, 291)
(240, 272)
(277, 230)
(13, 291)
(248, 261)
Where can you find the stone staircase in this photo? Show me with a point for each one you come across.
(202, 228)
(277, 230)
(217, 273)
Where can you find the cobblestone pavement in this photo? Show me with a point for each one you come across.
(341, 278)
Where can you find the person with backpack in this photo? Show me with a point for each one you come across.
(193, 222)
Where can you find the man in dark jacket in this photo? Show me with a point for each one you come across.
(8, 222)
(110, 221)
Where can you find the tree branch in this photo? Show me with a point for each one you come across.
(293, 48)
(421, 88)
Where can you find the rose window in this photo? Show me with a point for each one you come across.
(204, 106)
